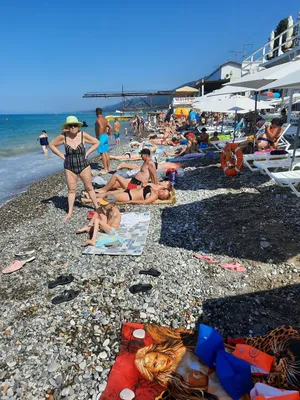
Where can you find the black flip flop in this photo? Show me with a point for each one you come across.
(67, 295)
(61, 280)
(151, 271)
(140, 288)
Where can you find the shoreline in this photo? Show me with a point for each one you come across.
(62, 350)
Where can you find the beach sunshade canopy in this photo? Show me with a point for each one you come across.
(239, 104)
(260, 80)
(229, 90)
(186, 89)
(290, 81)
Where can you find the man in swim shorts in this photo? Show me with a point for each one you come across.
(117, 128)
(101, 126)
(147, 172)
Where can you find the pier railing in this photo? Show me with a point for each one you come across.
(269, 55)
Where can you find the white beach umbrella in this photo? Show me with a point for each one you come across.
(259, 80)
(271, 46)
(289, 33)
(229, 90)
(290, 81)
(240, 104)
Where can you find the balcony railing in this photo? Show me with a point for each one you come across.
(287, 46)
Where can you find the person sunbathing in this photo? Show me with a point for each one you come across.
(191, 147)
(162, 167)
(203, 137)
(145, 195)
(107, 218)
(269, 140)
(136, 155)
(215, 137)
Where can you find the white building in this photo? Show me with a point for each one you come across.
(229, 70)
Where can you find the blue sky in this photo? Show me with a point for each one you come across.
(53, 51)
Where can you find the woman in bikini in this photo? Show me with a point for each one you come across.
(75, 159)
(143, 195)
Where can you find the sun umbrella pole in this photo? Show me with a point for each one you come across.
(235, 118)
(222, 124)
(290, 93)
(255, 111)
(295, 144)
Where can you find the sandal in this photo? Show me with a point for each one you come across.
(140, 288)
(151, 271)
(61, 280)
(24, 253)
(68, 295)
(208, 259)
(16, 265)
(234, 266)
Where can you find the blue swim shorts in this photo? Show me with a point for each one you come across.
(103, 147)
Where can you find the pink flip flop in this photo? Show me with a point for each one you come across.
(16, 265)
(234, 266)
(208, 259)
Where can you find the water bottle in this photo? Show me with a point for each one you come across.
(172, 176)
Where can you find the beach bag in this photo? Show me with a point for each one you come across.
(234, 374)
(260, 362)
(208, 343)
(262, 391)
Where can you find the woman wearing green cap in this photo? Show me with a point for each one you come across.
(75, 159)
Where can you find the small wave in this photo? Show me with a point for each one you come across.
(16, 151)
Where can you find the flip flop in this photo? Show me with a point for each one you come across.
(24, 253)
(61, 280)
(234, 266)
(140, 288)
(151, 271)
(16, 265)
(68, 295)
(208, 259)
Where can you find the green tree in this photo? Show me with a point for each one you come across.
(281, 27)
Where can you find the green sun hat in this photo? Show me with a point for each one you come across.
(71, 120)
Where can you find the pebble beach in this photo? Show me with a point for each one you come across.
(66, 351)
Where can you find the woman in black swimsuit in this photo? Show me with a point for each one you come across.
(43, 138)
(75, 159)
(144, 195)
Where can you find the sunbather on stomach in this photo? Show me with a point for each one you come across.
(144, 195)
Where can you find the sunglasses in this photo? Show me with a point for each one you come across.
(73, 126)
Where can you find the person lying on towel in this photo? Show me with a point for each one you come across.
(146, 172)
(144, 195)
(107, 218)
(191, 147)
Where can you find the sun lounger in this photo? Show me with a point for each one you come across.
(220, 144)
(289, 179)
(262, 156)
(265, 166)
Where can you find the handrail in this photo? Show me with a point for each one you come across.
(265, 50)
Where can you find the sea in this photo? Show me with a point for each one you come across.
(22, 160)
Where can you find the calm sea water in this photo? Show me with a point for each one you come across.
(22, 160)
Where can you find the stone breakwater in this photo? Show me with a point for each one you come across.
(66, 351)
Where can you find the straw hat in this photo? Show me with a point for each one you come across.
(71, 120)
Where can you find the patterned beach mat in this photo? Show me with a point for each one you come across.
(151, 364)
(132, 236)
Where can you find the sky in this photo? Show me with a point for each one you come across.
(54, 51)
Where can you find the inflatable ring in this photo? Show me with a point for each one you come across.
(232, 159)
